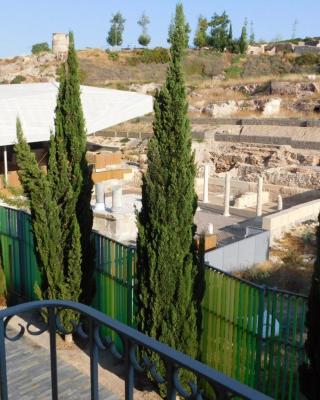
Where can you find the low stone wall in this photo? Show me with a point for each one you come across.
(257, 121)
(216, 184)
(281, 222)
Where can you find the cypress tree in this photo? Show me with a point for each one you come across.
(309, 373)
(70, 143)
(62, 196)
(165, 245)
(243, 41)
(61, 273)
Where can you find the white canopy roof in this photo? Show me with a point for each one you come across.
(34, 104)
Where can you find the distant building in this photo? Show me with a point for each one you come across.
(255, 50)
(60, 45)
(301, 50)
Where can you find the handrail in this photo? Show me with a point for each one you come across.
(223, 386)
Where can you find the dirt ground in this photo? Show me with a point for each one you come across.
(291, 261)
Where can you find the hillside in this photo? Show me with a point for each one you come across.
(219, 84)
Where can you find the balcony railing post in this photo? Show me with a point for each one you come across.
(3, 364)
(94, 359)
(53, 352)
(129, 372)
(171, 390)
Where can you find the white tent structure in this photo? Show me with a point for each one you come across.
(34, 104)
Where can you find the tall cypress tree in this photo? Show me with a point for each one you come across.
(65, 190)
(309, 373)
(59, 258)
(165, 245)
(70, 142)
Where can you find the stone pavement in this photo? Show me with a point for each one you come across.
(28, 368)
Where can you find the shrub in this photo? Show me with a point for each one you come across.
(307, 59)
(234, 72)
(158, 55)
(266, 65)
(18, 79)
(113, 55)
(40, 48)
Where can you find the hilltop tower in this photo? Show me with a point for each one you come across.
(60, 44)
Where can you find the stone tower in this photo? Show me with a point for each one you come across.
(60, 44)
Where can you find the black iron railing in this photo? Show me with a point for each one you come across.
(89, 328)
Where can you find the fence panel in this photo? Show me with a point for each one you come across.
(252, 333)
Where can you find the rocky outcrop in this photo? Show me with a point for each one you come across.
(31, 68)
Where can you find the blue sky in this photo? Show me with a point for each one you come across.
(25, 22)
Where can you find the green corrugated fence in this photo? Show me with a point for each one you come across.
(114, 266)
(252, 333)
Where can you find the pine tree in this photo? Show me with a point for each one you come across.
(309, 373)
(60, 199)
(165, 245)
(114, 37)
(219, 35)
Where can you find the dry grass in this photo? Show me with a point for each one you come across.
(292, 265)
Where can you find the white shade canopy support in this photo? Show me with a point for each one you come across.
(34, 104)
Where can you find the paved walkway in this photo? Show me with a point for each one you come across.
(28, 367)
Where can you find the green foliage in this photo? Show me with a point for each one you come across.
(113, 55)
(309, 373)
(307, 59)
(18, 79)
(252, 35)
(266, 65)
(219, 35)
(40, 48)
(243, 41)
(234, 72)
(144, 38)
(3, 284)
(114, 37)
(60, 199)
(201, 38)
(158, 55)
(179, 19)
(165, 243)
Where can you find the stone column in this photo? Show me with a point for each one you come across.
(259, 196)
(280, 202)
(99, 188)
(5, 159)
(227, 195)
(206, 183)
(210, 229)
(116, 198)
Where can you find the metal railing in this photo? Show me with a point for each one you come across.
(89, 328)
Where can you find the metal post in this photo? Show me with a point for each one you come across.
(94, 356)
(206, 184)
(3, 365)
(5, 158)
(129, 372)
(227, 195)
(53, 353)
(171, 390)
(259, 196)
